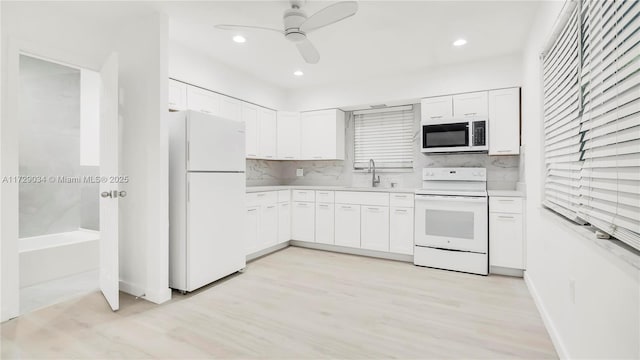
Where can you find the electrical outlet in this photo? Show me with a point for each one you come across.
(572, 291)
(299, 172)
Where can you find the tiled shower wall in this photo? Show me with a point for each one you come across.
(503, 172)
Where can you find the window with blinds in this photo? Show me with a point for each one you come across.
(384, 135)
(599, 168)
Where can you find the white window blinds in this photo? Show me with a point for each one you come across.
(592, 150)
(384, 135)
(562, 121)
(610, 175)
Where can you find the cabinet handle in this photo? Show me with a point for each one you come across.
(269, 157)
(346, 207)
(506, 200)
(323, 193)
(271, 207)
(505, 217)
(250, 210)
(317, 157)
(288, 157)
(503, 151)
(436, 117)
(401, 210)
(302, 204)
(261, 195)
(467, 114)
(254, 155)
(302, 192)
(374, 209)
(323, 205)
(400, 196)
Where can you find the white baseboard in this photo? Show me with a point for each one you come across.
(499, 270)
(267, 251)
(546, 319)
(131, 289)
(158, 296)
(353, 251)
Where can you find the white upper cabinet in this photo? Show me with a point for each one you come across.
(322, 135)
(470, 105)
(177, 95)
(267, 143)
(288, 135)
(434, 108)
(203, 101)
(250, 118)
(504, 122)
(230, 108)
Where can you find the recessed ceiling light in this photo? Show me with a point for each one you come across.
(459, 42)
(239, 39)
(298, 73)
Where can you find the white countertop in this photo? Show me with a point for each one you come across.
(507, 193)
(251, 189)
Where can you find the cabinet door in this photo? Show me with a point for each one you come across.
(504, 122)
(177, 95)
(324, 223)
(288, 135)
(250, 118)
(284, 222)
(251, 228)
(506, 240)
(267, 134)
(230, 108)
(318, 135)
(401, 230)
(347, 225)
(268, 225)
(470, 105)
(375, 228)
(303, 221)
(436, 108)
(203, 101)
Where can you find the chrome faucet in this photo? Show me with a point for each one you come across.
(374, 181)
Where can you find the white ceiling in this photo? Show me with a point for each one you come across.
(383, 38)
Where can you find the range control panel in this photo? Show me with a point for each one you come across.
(454, 174)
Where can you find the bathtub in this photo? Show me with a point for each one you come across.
(49, 257)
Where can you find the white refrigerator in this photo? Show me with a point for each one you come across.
(206, 199)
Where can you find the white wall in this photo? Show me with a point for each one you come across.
(196, 68)
(85, 34)
(492, 73)
(604, 319)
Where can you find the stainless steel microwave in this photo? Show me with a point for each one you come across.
(454, 135)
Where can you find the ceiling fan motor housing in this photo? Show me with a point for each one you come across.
(293, 18)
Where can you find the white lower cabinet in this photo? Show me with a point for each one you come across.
(303, 221)
(284, 222)
(251, 229)
(505, 244)
(506, 233)
(347, 225)
(401, 230)
(268, 225)
(375, 228)
(325, 223)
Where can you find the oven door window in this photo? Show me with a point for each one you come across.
(445, 135)
(451, 224)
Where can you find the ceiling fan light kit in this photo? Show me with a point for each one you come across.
(297, 25)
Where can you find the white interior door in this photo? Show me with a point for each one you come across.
(109, 192)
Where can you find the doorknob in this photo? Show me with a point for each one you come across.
(106, 194)
(113, 194)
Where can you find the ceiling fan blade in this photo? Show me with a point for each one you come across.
(245, 27)
(308, 51)
(330, 15)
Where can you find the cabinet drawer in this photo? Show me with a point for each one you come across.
(261, 198)
(401, 200)
(284, 196)
(362, 198)
(304, 195)
(325, 196)
(504, 204)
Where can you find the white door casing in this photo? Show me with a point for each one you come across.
(109, 151)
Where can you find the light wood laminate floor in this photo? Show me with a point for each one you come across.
(300, 303)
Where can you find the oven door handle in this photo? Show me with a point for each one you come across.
(478, 199)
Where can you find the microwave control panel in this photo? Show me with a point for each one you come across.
(479, 133)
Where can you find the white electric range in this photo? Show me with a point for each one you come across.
(452, 220)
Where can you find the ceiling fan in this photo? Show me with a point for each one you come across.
(297, 25)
